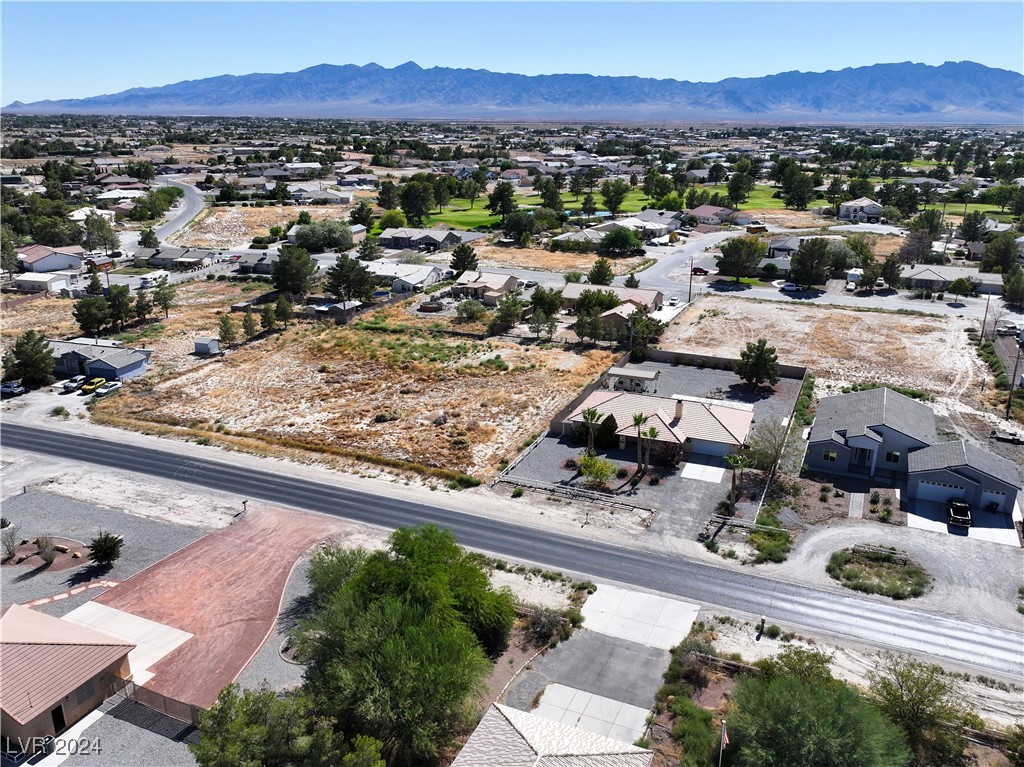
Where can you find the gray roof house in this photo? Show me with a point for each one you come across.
(938, 277)
(962, 470)
(98, 358)
(882, 433)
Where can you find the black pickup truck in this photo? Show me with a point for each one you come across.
(958, 512)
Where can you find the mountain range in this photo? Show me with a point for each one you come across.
(952, 93)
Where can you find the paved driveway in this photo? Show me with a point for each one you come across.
(985, 525)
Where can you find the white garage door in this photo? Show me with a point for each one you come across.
(706, 447)
(938, 491)
(990, 496)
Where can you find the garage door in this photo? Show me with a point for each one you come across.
(706, 447)
(938, 491)
(990, 496)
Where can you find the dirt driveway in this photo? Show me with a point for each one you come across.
(225, 589)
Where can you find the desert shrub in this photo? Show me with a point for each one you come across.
(622, 472)
(105, 548)
(44, 546)
(542, 623)
(517, 493)
(9, 540)
(773, 631)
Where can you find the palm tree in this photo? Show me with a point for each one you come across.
(651, 434)
(735, 462)
(639, 419)
(591, 418)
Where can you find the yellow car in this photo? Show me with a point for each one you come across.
(93, 385)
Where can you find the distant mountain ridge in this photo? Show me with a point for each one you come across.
(954, 92)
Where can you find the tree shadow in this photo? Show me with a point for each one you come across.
(91, 572)
(38, 570)
(298, 609)
(729, 287)
(744, 392)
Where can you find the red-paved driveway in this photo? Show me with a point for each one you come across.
(226, 590)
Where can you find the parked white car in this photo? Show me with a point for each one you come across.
(108, 388)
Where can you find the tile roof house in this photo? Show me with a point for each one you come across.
(707, 427)
(53, 673)
(487, 287)
(507, 737)
(652, 299)
(880, 432)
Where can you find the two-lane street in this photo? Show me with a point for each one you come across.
(874, 623)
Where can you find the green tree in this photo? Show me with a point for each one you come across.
(95, 286)
(388, 197)
(740, 257)
(369, 249)
(766, 443)
(464, 259)
(470, 310)
(916, 248)
(321, 236)
(247, 728)
(349, 280)
(519, 226)
(267, 318)
(538, 322)
(509, 310)
(362, 213)
(92, 313)
(1000, 254)
(442, 192)
(305, 218)
(164, 295)
(797, 190)
(972, 228)
(470, 190)
(502, 200)
(891, 270)
(30, 360)
(284, 310)
(416, 201)
(143, 305)
(577, 185)
(105, 548)
(588, 206)
(122, 309)
(961, 287)
(1013, 286)
(393, 219)
(226, 330)
(601, 273)
(99, 234)
(921, 700)
(717, 173)
(550, 195)
(614, 194)
(620, 241)
(591, 420)
(740, 187)
(811, 264)
(631, 281)
(8, 255)
(148, 238)
(758, 363)
(572, 276)
(787, 720)
(928, 221)
(596, 301)
(547, 300)
(597, 470)
(294, 271)
(639, 421)
(249, 325)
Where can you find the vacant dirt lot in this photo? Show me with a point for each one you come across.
(51, 316)
(838, 345)
(234, 227)
(390, 387)
(537, 258)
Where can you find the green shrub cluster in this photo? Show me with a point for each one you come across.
(987, 352)
(802, 412)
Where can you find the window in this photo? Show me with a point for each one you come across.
(830, 456)
(892, 456)
(86, 691)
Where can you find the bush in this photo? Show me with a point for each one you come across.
(9, 540)
(622, 472)
(542, 623)
(773, 632)
(654, 479)
(105, 548)
(45, 549)
(517, 492)
(60, 412)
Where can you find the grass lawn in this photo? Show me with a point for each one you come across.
(635, 201)
(458, 214)
(957, 209)
(761, 199)
(132, 270)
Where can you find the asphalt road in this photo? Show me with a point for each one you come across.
(874, 623)
(192, 203)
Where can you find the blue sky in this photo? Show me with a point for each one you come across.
(55, 50)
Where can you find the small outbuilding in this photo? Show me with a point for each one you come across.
(206, 346)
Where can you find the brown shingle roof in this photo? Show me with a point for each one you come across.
(43, 659)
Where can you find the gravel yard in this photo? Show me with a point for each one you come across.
(235, 226)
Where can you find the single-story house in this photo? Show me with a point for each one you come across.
(961, 470)
(313, 193)
(99, 263)
(403, 278)
(861, 209)
(52, 673)
(513, 738)
(668, 219)
(204, 346)
(703, 426)
(257, 263)
(160, 257)
(340, 312)
(43, 258)
(367, 180)
(98, 358)
(712, 214)
(879, 432)
(591, 235)
(29, 282)
(426, 239)
(652, 299)
(939, 277)
(83, 213)
(787, 246)
(781, 265)
(487, 287)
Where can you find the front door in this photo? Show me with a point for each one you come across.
(58, 720)
(862, 456)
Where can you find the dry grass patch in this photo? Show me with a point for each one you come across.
(50, 316)
(546, 260)
(234, 227)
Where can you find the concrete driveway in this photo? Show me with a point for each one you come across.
(985, 525)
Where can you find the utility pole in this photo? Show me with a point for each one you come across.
(984, 320)
(689, 291)
(1013, 381)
